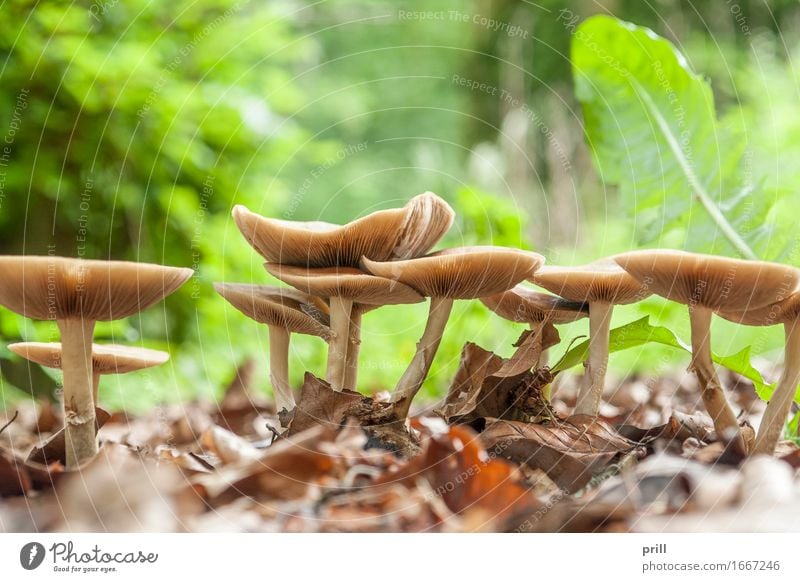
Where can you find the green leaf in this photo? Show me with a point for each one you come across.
(640, 332)
(652, 127)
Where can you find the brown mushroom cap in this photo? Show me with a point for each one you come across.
(460, 273)
(106, 359)
(345, 282)
(717, 283)
(785, 311)
(66, 288)
(602, 282)
(524, 305)
(281, 306)
(386, 234)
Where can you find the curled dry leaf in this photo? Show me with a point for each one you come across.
(321, 405)
(227, 446)
(569, 451)
(54, 448)
(488, 385)
(285, 470)
(460, 473)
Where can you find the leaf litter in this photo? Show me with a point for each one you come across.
(495, 456)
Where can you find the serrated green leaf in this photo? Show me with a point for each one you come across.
(640, 332)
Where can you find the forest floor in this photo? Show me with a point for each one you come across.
(494, 457)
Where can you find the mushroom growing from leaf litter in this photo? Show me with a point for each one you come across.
(106, 359)
(460, 273)
(386, 234)
(343, 287)
(524, 305)
(75, 293)
(708, 284)
(284, 311)
(602, 285)
(786, 312)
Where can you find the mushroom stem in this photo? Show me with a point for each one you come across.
(353, 347)
(337, 352)
(279, 368)
(781, 402)
(96, 388)
(595, 375)
(76, 364)
(713, 395)
(411, 380)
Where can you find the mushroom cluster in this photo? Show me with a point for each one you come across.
(76, 293)
(339, 272)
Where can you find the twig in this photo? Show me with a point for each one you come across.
(13, 418)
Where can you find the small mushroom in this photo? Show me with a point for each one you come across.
(284, 311)
(524, 305)
(602, 285)
(106, 359)
(708, 284)
(786, 312)
(343, 287)
(460, 273)
(397, 233)
(76, 293)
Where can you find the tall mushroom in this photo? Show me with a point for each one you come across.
(386, 234)
(284, 311)
(524, 305)
(76, 293)
(460, 273)
(106, 359)
(343, 286)
(602, 285)
(786, 312)
(708, 284)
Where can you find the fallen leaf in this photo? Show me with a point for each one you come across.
(321, 405)
(227, 446)
(55, 449)
(569, 451)
(467, 479)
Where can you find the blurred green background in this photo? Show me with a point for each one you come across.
(130, 129)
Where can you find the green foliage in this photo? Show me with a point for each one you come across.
(641, 332)
(652, 127)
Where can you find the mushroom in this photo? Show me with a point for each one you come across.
(397, 233)
(786, 312)
(708, 284)
(106, 358)
(343, 287)
(284, 311)
(602, 285)
(76, 293)
(460, 273)
(524, 305)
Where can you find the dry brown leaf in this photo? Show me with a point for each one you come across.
(466, 478)
(54, 448)
(227, 446)
(321, 405)
(487, 385)
(284, 471)
(570, 452)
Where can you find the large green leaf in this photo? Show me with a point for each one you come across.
(652, 127)
(640, 332)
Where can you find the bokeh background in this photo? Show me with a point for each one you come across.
(130, 129)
